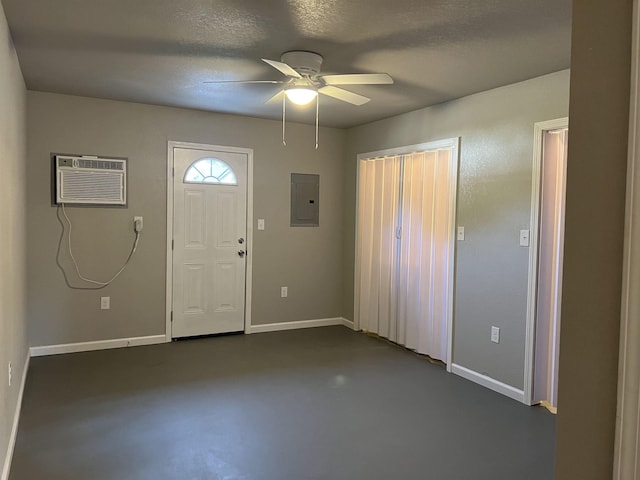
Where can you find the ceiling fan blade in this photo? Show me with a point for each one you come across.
(283, 67)
(358, 79)
(344, 95)
(275, 98)
(245, 81)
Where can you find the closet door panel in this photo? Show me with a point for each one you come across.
(377, 245)
(405, 248)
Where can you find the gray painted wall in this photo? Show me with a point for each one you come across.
(307, 260)
(13, 343)
(494, 203)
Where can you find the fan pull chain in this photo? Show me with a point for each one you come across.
(284, 113)
(317, 115)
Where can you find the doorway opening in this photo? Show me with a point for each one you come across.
(545, 276)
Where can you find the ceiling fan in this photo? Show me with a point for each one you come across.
(304, 82)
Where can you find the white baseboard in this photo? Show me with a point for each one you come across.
(348, 323)
(320, 322)
(14, 429)
(97, 345)
(488, 382)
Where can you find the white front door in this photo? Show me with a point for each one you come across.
(209, 234)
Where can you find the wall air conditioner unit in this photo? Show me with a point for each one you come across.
(91, 180)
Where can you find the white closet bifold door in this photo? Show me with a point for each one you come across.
(378, 219)
(424, 253)
(405, 247)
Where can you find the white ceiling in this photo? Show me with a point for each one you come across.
(161, 51)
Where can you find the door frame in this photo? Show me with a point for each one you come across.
(626, 454)
(249, 245)
(444, 143)
(532, 289)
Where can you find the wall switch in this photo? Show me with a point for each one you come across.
(495, 334)
(10, 372)
(460, 233)
(137, 224)
(524, 238)
(261, 224)
(284, 291)
(105, 303)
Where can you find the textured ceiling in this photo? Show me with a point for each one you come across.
(161, 51)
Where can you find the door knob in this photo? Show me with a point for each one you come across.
(241, 253)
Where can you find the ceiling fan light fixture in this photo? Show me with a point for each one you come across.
(301, 95)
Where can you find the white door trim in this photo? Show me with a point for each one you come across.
(249, 247)
(626, 456)
(534, 225)
(446, 143)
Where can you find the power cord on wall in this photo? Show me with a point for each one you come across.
(137, 228)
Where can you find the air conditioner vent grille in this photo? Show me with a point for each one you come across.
(91, 181)
(100, 164)
(96, 186)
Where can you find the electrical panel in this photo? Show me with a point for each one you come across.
(305, 200)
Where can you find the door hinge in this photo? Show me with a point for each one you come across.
(172, 243)
(399, 233)
(172, 315)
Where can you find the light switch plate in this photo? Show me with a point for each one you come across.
(495, 334)
(460, 233)
(524, 238)
(261, 224)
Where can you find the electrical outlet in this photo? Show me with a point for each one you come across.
(137, 224)
(495, 334)
(284, 291)
(105, 303)
(10, 371)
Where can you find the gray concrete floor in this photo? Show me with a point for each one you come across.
(323, 403)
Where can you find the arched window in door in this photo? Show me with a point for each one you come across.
(210, 170)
